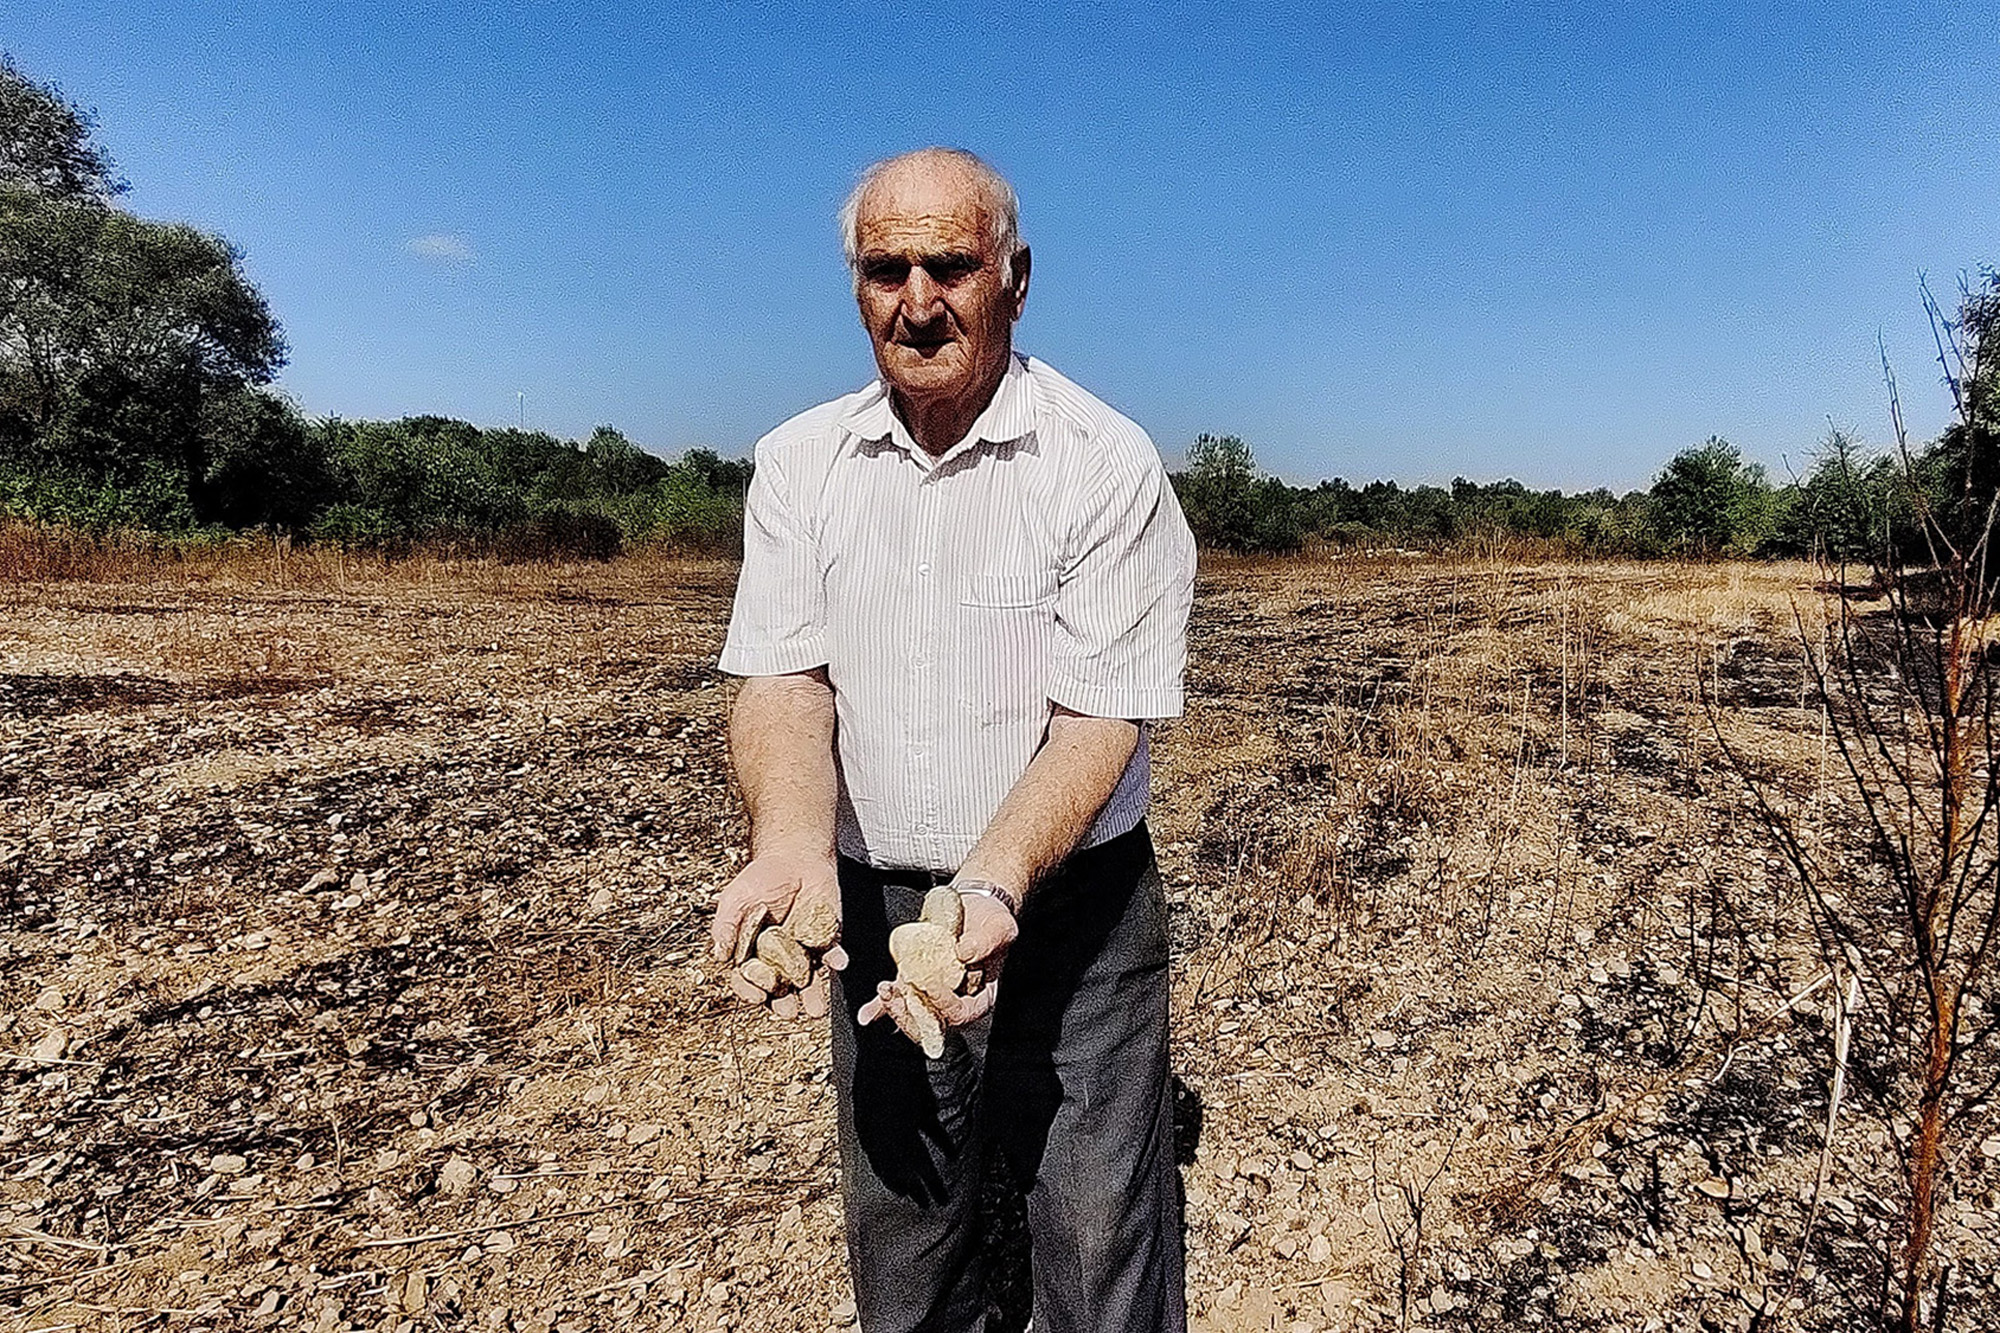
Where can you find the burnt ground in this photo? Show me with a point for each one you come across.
(350, 971)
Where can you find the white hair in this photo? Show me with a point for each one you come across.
(1003, 207)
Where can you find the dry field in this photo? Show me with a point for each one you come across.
(350, 920)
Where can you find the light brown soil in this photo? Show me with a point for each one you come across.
(350, 922)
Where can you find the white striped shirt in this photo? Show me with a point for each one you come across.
(1043, 557)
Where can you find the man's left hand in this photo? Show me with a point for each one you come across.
(989, 931)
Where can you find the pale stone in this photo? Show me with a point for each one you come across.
(944, 908)
(927, 956)
(814, 922)
(457, 1176)
(776, 946)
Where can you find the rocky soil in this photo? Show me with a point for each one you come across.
(350, 970)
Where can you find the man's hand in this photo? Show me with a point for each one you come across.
(775, 887)
(983, 940)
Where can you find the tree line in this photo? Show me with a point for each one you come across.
(1852, 504)
(136, 364)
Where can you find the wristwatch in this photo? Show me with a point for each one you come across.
(986, 888)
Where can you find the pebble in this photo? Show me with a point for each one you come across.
(457, 1176)
(844, 1314)
(641, 1134)
(228, 1164)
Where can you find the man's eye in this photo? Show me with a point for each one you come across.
(886, 272)
(949, 269)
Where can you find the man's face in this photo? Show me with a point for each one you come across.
(929, 284)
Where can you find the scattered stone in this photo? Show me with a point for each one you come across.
(456, 1176)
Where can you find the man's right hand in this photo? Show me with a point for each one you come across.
(766, 892)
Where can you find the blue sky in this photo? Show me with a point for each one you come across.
(1546, 241)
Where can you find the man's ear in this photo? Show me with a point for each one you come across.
(1024, 260)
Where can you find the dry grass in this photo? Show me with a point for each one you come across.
(1483, 971)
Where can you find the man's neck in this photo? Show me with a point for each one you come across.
(936, 424)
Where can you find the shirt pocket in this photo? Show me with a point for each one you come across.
(1002, 590)
(1006, 623)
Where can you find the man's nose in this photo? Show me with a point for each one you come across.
(922, 297)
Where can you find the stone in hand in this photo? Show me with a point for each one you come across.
(927, 957)
(944, 907)
(814, 922)
(776, 947)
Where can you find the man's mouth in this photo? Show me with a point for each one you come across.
(924, 341)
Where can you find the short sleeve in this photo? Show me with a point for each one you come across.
(1123, 596)
(778, 623)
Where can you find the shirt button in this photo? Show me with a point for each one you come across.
(924, 569)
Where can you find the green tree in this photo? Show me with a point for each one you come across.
(45, 145)
(117, 335)
(1964, 464)
(1218, 491)
(114, 333)
(1708, 501)
(267, 465)
(1849, 507)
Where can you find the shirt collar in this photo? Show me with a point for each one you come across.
(1009, 415)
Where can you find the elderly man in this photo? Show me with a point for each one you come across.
(965, 590)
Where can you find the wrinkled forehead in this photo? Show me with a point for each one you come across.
(918, 203)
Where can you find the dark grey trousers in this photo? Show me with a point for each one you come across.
(1067, 1077)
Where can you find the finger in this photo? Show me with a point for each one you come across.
(747, 927)
(835, 958)
(786, 1005)
(722, 930)
(871, 1011)
(899, 1010)
(746, 989)
(983, 939)
(959, 1010)
(814, 999)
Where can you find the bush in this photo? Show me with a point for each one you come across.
(560, 535)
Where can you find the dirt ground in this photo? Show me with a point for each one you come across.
(350, 970)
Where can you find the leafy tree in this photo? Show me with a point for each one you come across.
(116, 334)
(1220, 494)
(1708, 501)
(267, 466)
(114, 331)
(1850, 506)
(1964, 464)
(45, 146)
